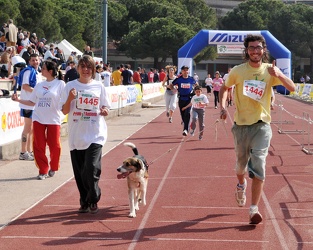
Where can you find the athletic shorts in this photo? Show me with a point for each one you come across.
(27, 113)
(251, 147)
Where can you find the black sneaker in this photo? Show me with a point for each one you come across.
(93, 208)
(83, 209)
(51, 173)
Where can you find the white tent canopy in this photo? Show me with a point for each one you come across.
(68, 48)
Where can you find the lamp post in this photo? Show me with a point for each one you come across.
(105, 31)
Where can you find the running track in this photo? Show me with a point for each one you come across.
(190, 200)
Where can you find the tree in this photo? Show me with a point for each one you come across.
(9, 10)
(160, 31)
(293, 26)
(290, 24)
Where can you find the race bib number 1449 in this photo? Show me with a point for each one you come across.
(254, 89)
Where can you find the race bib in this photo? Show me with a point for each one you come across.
(254, 89)
(87, 101)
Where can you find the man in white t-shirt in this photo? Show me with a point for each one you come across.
(27, 111)
(106, 75)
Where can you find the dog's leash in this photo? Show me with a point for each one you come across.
(183, 141)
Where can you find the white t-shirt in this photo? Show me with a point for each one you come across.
(199, 101)
(106, 78)
(85, 124)
(47, 96)
(208, 81)
(25, 95)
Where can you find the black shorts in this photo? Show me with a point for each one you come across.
(27, 113)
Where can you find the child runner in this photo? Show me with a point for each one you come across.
(198, 102)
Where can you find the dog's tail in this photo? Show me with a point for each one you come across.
(133, 146)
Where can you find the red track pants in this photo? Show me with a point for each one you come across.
(46, 134)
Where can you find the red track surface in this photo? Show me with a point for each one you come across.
(190, 200)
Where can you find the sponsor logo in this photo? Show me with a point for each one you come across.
(227, 38)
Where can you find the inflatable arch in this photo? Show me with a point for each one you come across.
(234, 37)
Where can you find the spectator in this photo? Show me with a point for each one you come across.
(46, 119)
(106, 76)
(61, 57)
(116, 76)
(29, 78)
(26, 55)
(99, 70)
(136, 76)
(88, 134)
(127, 77)
(72, 73)
(155, 76)
(162, 75)
(88, 51)
(151, 75)
(144, 76)
(50, 55)
(12, 34)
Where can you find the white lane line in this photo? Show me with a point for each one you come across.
(278, 231)
(210, 240)
(74, 220)
(203, 222)
(153, 201)
(194, 207)
(59, 237)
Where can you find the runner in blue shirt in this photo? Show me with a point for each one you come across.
(184, 84)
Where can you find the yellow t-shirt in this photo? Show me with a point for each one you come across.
(249, 111)
(116, 76)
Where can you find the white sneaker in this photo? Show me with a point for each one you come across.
(192, 132)
(185, 133)
(241, 194)
(26, 156)
(42, 176)
(255, 216)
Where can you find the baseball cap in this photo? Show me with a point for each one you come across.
(184, 67)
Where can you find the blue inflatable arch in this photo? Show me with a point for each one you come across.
(223, 37)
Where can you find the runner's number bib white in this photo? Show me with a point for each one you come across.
(87, 101)
(254, 89)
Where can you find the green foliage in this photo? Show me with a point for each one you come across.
(159, 29)
(9, 9)
(291, 24)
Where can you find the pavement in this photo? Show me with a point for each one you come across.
(20, 190)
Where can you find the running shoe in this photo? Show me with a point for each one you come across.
(42, 176)
(83, 209)
(255, 216)
(51, 173)
(241, 194)
(93, 208)
(185, 133)
(26, 156)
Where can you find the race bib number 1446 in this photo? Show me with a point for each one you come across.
(254, 89)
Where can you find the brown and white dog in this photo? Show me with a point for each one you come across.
(136, 170)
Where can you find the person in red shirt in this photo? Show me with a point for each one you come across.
(151, 76)
(136, 76)
(162, 75)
